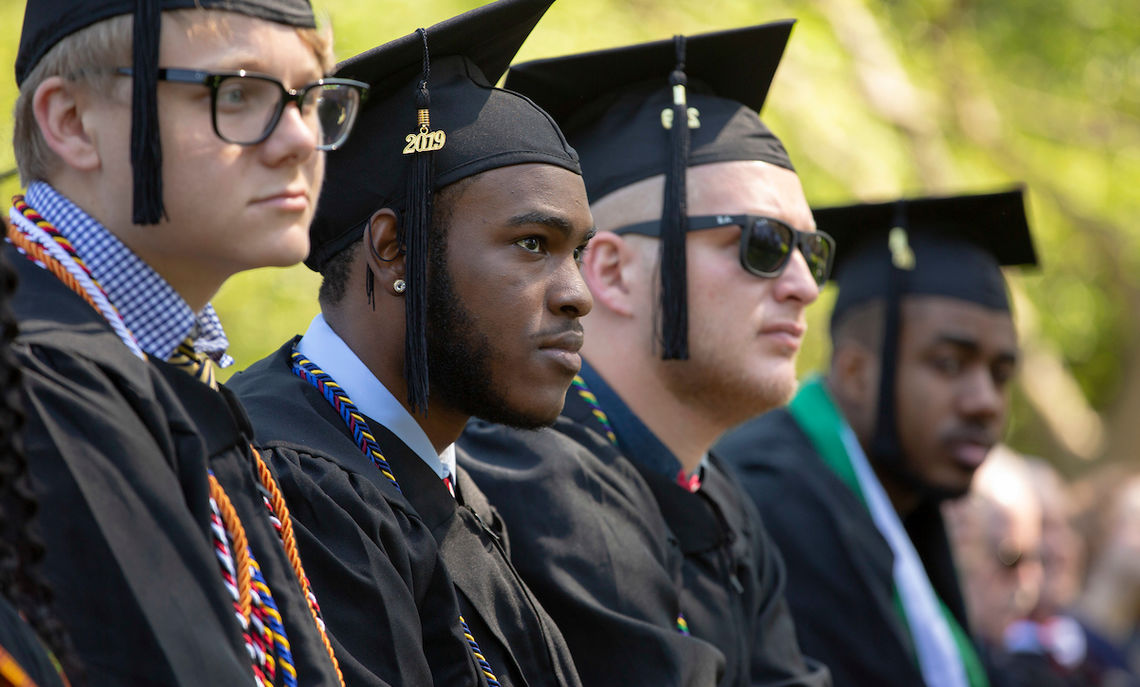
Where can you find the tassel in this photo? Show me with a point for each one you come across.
(421, 181)
(885, 444)
(674, 222)
(146, 148)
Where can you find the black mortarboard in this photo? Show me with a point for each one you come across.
(957, 245)
(446, 75)
(617, 108)
(47, 22)
(946, 246)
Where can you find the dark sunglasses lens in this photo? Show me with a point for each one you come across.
(769, 245)
(817, 251)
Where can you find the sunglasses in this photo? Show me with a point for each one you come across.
(766, 243)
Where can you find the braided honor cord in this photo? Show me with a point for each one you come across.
(592, 400)
(358, 426)
(275, 502)
(58, 256)
(343, 405)
(237, 573)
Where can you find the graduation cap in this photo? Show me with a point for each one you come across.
(940, 246)
(433, 118)
(619, 107)
(47, 22)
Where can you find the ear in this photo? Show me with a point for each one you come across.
(608, 267)
(59, 107)
(854, 375)
(385, 255)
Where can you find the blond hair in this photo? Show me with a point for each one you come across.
(84, 58)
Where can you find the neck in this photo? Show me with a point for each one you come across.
(381, 349)
(441, 425)
(684, 429)
(191, 281)
(904, 498)
(194, 287)
(194, 281)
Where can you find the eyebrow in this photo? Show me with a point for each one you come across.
(254, 64)
(971, 345)
(557, 222)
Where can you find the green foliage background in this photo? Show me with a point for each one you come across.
(877, 99)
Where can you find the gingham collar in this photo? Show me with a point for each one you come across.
(151, 309)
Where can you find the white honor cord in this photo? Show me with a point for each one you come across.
(56, 251)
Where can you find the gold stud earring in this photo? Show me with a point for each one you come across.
(400, 286)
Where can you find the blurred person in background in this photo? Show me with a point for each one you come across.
(1109, 605)
(850, 476)
(996, 534)
(1062, 550)
(995, 531)
(1052, 639)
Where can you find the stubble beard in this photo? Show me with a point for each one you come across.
(711, 381)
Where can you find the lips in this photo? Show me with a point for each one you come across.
(789, 334)
(569, 341)
(790, 328)
(562, 349)
(969, 449)
(287, 199)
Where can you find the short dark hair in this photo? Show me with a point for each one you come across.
(862, 324)
(334, 273)
(336, 270)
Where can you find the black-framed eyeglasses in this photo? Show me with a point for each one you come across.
(245, 107)
(766, 243)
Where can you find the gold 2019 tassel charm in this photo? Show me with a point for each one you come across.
(426, 140)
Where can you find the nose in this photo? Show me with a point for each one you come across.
(796, 281)
(294, 138)
(1030, 577)
(980, 396)
(569, 295)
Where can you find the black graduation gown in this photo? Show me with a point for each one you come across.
(375, 567)
(20, 641)
(840, 580)
(118, 451)
(615, 552)
(358, 529)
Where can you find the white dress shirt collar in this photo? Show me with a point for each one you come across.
(329, 352)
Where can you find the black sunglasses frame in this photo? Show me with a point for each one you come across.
(213, 80)
(800, 239)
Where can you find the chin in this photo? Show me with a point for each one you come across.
(776, 389)
(286, 250)
(947, 491)
(530, 414)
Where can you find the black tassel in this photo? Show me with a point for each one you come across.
(417, 224)
(885, 444)
(674, 222)
(146, 148)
